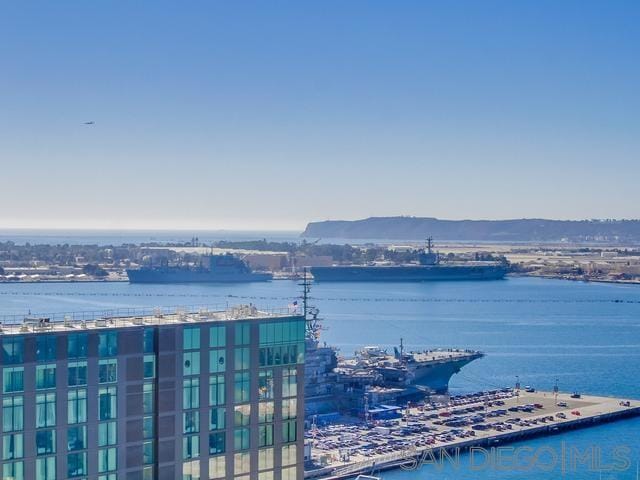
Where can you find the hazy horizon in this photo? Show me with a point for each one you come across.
(246, 116)
(267, 228)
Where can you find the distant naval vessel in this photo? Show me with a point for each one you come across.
(224, 268)
(428, 268)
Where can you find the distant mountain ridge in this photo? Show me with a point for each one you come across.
(517, 230)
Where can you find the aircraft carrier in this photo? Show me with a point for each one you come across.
(428, 268)
(335, 384)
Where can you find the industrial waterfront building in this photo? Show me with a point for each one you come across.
(182, 395)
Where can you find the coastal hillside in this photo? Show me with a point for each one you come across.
(518, 230)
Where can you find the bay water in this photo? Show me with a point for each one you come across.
(585, 336)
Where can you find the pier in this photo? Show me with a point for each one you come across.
(343, 450)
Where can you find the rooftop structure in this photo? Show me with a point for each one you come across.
(120, 318)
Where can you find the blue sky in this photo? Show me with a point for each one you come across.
(271, 114)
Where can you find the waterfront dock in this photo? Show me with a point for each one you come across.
(489, 419)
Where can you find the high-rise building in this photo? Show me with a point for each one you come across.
(200, 395)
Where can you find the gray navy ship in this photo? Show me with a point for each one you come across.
(335, 384)
(428, 268)
(428, 369)
(224, 268)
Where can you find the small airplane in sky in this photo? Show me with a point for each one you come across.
(89, 123)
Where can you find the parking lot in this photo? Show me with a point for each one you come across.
(462, 418)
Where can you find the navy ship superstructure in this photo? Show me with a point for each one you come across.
(430, 370)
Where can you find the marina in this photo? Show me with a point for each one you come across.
(488, 419)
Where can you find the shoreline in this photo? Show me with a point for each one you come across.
(577, 279)
(279, 278)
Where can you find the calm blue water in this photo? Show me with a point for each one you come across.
(585, 335)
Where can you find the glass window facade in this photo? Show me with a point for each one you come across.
(217, 360)
(77, 438)
(217, 418)
(216, 390)
(107, 403)
(191, 393)
(289, 408)
(12, 446)
(241, 463)
(45, 442)
(13, 471)
(76, 464)
(243, 333)
(216, 443)
(12, 414)
(242, 415)
(148, 453)
(46, 348)
(289, 473)
(77, 374)
(76, 406)
(191, 363)
(149, 340)
(77, 345)
(289, 382)
(12, 350)
(107, 434)
(217, 336)
(246, 424)
(148, 398)
(265, 435)
(148, 430)
(45, 410)
(282, 343)
(265, 384)
(242, 358)
(241, 439)
(190, 447)
(108, 344)
(289, 431)
(191, 338)
(191, 421)
(217, 467)
(149, 368)
(107, 459)
(241, 392)
(265, 459)
(46, 468)
(45, 376)
(12, 379)
(265, 412)
(108, 370)
(191, 470)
